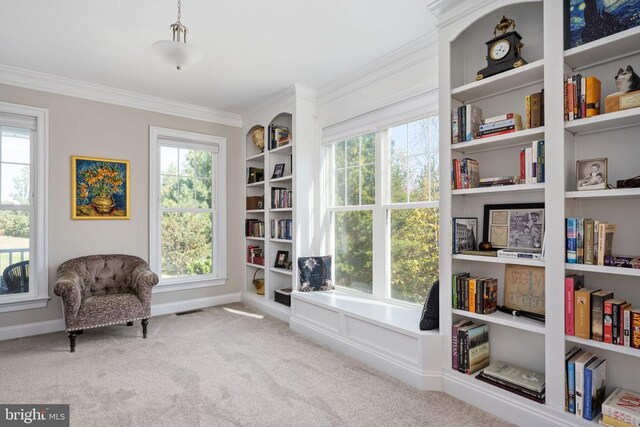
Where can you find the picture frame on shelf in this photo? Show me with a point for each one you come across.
(278, 171)
(464, 232)
(281, 259)
(524, 288)
(514, 226)
(591, 174)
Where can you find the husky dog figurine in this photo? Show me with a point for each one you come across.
(627, 80)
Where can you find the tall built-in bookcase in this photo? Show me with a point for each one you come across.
(524, 342)
(286, 227)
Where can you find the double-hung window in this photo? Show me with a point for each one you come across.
(384, 211)
(187, 227)
(23, 169)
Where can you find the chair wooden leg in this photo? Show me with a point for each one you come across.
(144, 322)
(130, 323)
(72, 340)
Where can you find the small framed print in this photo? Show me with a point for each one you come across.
(278, 171)
(514, 226)
(591, 174)
(281, 259)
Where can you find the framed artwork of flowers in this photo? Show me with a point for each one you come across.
(100, 188)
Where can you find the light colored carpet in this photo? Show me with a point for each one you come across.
(215, 368)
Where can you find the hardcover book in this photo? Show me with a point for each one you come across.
(597, 313)
(464, 232)
(572, 240)
(588, 241)
(583, 312)
(594, 389)
(478, 348)
(571, 380)
(568, 355)
(623, 405)
(536, 397)
(572, 283)
(582, 361)
(454, 341)
(635, 328)
(521, 377)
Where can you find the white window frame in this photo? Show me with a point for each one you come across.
(38, 295)
(184, 139)
(381, 240)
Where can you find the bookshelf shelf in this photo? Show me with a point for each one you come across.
(281, 271)
(255, 211)
(524, 76)
(604, 122)
(487, 389)
(255, 238)
(281, 210)
(259, 156)
(614, 193)
(515, 139)
(505, 319)
(285, 149)
(498, 260)
(280, 240)
(256, 184)
(629, 351)
(500, 189)
(620, 271)
(282, 179)
(261, 267)
(615, 46)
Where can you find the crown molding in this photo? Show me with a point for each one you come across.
(35, 80)
(421, 49)
(438, 6)
(448, 11)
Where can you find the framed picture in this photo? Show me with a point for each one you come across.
(99, 188)
(524, 288)
(278, 171)
(588, 21)
(281, 259)
(591, 174)
(464, 232)
(514, 226)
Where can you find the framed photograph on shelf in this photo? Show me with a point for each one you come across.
(514, 226)
(591, 174)
(281, 259)
(278, 171)
(464, 232)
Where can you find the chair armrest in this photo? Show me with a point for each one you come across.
(143, 282)
(69, 287)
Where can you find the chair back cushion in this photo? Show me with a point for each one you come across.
(104, 274)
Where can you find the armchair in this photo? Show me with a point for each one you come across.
(102, 290)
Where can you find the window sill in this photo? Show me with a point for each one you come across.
(188, 284)
(23, 303)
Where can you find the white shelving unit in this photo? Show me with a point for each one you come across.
(614, 136)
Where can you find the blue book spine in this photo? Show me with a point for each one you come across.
(572, 240)
(541, 160)
(571, 384)
(588, 402)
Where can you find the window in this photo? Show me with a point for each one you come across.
(384, 211)
(188, 230)
(23, 169)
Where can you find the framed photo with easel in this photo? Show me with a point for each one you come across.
(514, 226)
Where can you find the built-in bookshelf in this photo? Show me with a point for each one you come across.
(527, 343)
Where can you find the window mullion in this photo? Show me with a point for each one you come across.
(380, 246)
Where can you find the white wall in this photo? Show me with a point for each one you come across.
(89, 128)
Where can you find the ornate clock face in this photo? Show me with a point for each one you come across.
(500, 49)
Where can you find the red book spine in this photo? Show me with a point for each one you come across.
(569, 317)
(608, 325)
(523, 169)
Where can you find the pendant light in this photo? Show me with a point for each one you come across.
(177, 52)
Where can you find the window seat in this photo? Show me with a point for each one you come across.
(382, 335)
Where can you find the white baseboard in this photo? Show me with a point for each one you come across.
(271, 308)
(29, 329)
(193, 304)
(421, 380)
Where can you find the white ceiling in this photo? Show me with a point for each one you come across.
(252, 48)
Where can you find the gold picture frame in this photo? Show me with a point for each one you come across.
(99, 188)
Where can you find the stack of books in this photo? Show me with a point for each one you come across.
(469, 346)
(254, 255)
(585, 383)
(278, 136)
(621, 409)
(465, 173)
(523, 382)
(465, 123)
(532, 163)
(254, 228)
(581, 97)
(474, 294)
(590, 241)
(499, 125)
(498, 181)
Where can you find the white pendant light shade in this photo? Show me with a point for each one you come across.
(178, 54)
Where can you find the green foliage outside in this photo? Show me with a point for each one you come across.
(186, 237)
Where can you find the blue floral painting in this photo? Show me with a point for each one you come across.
(590, 20)
(100, 188)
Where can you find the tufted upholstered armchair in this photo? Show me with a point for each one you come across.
(101, 290)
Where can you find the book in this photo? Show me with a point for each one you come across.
(635, 328)
(522, 253)
(501, 384)
(571, 380)
(623, 261)
(588, 241)
(598, 300)
(501, 117)
(479, 253)
(463, 346)
(627, 326)
(623, 405)
(570, 98)
(515, 123)
(527, 109)
(454, 341)
(612, 422)
(521, 377)
(496, 133)
(593, 94)
(478, 348)
(605, 241)
(572, 240)
(572, 283)
(580, 363)
(594, 388)
(609, 308)
(624, 308)
(582, 312)
(472, 295)
(472, 121)
(454, 127)
(536, 116)
(580, 241)
(567, 356)
(616, 320)
(490, 296)
(464, 232)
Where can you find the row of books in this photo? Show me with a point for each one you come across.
(281, 198)
(254, 228)
(465, 174)
(621, 409)
(279, 135)
(532, 168)
(581, 97)
(585, 376)
(281, 229)
(255, 255)
(465, 123)
(255, 175)
(534, 110)
(588, 241)
(469, 346)
(474, 294)
(596, 314)
(517, 380)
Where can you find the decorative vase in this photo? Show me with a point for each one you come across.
(103, 205)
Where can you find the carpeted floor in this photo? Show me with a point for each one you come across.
(215, 368)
